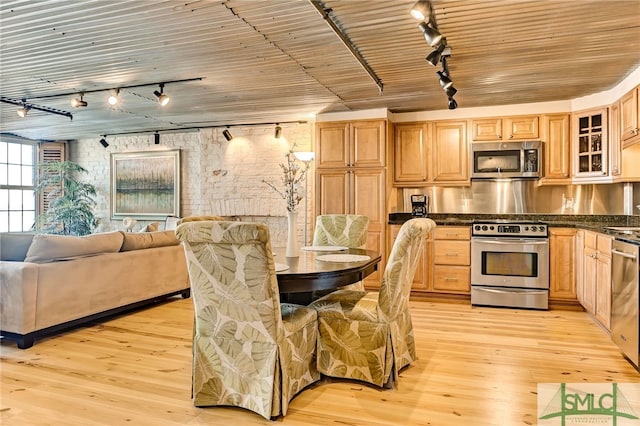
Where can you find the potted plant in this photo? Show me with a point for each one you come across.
(71, 205)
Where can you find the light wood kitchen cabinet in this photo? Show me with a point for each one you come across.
(590, 144)
(595, 290)
(410, 153)
(450, 152)
(421, 281)
(630, 117)
(431, 153)
(505, 129)
(351, 178)
(562, 264)
(557, 147)
(351, 144)
(452, 259)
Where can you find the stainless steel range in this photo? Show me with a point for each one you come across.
(510, 264)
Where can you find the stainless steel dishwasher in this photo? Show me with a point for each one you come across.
(625, 299)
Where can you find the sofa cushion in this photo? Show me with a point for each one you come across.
(14, 245)
(50, 248)
(144, 240)
(152, 227)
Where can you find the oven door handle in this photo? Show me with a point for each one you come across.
(623, 254)
(513, 290)
(512, 241)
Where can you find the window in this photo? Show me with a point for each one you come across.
(17, 183)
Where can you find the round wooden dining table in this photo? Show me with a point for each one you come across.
(309, 272)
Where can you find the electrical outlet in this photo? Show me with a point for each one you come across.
(568, 203)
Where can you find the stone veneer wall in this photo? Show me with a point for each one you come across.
(218, 177)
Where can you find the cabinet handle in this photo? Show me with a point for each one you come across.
(510, 136)
(499, 136)
(452, 254)
(451, 279)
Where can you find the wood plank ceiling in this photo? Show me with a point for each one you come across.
(278, 60)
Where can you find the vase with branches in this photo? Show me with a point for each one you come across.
(291, 191)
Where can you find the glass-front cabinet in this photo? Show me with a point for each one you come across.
(590, 144)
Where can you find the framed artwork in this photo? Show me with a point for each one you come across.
(145, 185)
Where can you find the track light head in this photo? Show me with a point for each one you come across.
(450, 91)
(421, 10)
(104, 142)
(114, 97)
(431, 35)
(227, 135)
(452, 103)
(78, 103)
(278, 132)
(156, 138)
(24, 110)
(445, 81)
(163, 98)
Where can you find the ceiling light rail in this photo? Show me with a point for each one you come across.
(25, 107)
(207, 126)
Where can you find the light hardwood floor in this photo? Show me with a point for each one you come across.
(477, 366)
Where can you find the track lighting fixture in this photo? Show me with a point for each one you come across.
(431, 35)
(452, 103)
(156, 138)
(445, 81)
(104, 142)
(77, 103)
(450, 91)
(421, 10)
(278, 132)
(114, 97)
(227, 135)
(434, 57)
(163, 98)
(24, 110)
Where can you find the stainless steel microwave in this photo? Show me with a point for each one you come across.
(506, 159)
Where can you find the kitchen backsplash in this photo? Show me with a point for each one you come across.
(527, 196)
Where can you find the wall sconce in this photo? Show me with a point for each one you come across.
(114, 97)
(278, 132)
(227, 135)
(77, 103)
(104, 142)
(163, 98)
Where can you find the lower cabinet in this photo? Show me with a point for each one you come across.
(562, 264)
(594, 283)
(444, 266)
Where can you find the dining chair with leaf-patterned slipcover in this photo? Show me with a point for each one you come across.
(346, 230)
(368, 336)
(249, 350)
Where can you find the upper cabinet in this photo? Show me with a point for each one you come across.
(629, 117)
(351, 144)
(557, 153)
(505, 129)
(590, 144)
(428, 153)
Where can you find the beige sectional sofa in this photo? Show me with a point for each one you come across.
(52, 282)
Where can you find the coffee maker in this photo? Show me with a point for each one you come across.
(419, 205)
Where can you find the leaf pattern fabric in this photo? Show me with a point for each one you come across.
(368, 336)
(346, 230)
(248, 349)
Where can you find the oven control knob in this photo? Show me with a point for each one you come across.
(526, 228)
(491, 227)
(542, 229)
(534, 228)
(485, 227)
(477, 227)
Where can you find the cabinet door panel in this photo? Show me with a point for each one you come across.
(562, 261)
(489, 129)
(522, 128)
(410, 153)
(368, 142)
(603, 291)
(332, 149)
(368, 189)
(557, 147)
(446, 252)
(450, 153)
(333, 192)
(629, 110)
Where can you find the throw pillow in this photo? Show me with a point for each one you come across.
(152, 227)
(50, 248)
(14, 245)
(139, 241)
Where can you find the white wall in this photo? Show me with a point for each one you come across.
(218, 177)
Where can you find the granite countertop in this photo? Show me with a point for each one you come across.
(598, 223)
